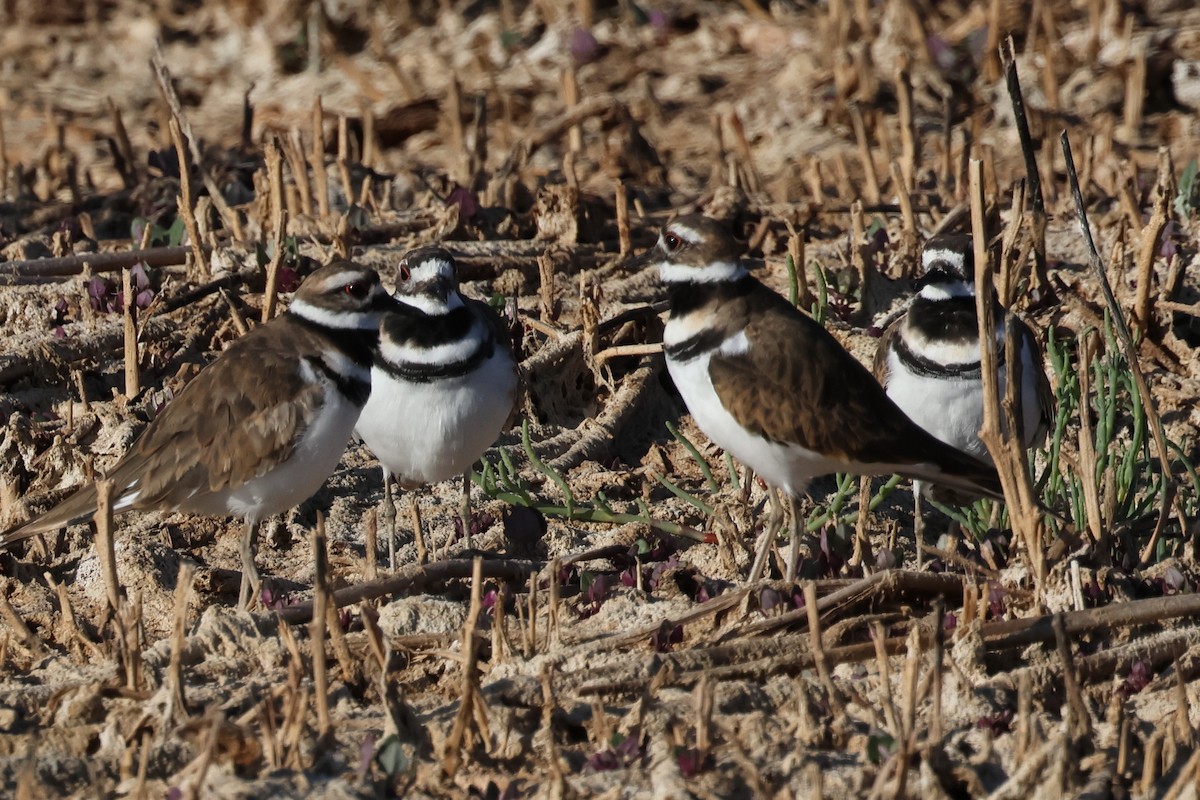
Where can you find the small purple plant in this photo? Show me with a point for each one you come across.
(584, 47)
(624, 752)
(997, 595)
(275, 599)
(287, 280)
(468, 205)
(1138, 678)
(105, 296)
(691, 761)
(596, 589)
(480, 522)
(365, 752)
(1000, 722)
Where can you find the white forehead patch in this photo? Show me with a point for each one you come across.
(954, 258)
(428, 268)
(339, 279)
(689, 235)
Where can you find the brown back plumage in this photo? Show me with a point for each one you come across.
(238, 419)
(797, 384)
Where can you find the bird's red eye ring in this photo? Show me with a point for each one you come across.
(358, 289)
(672, 241)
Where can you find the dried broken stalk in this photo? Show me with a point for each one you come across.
(278, 224)
(1005, 446)
(1169, 491)
(186, 202)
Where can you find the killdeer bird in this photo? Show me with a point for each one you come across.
(928, 360)
(775, 389)
(443, 384)
(259, 429)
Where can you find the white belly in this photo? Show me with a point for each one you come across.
(789, 467)
(313, 460)
(430, 432)
(952, 410)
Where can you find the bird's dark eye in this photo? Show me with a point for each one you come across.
(672, 241)
(358, 289)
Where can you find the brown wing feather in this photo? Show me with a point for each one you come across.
(503, 337)
(798, 385)
(1045, 393)
(240, 417)
(879, 367)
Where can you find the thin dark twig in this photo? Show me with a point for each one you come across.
(416, 578)
(1169, 489)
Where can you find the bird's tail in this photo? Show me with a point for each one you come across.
(76, 508)
(952, 468)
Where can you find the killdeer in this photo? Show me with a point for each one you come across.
(928, 360)
(443, 384)
(775, 389)
(259, 429)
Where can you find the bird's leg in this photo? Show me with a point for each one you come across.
(250, 579)
(388, 514)
(793, 559)
(774, 523)
(464, 510)
(918, 524)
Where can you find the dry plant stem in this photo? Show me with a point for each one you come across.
(129, 315)
(293, 150)
(878, 636)
(871, 187)
(570, 83)
(278, 223)
(317, 629)
(1037, 200)
(836, 701)
(67, 266)
(939, 645)
(1008, 280)
(881, 585)
(416, 579)
(104, 543)
(186, 202)
(317, 159)
(910, 140)
(21, 631)
(1087, 444)
(624, 237)
(183, 588)
(470, 703)
(372, 543)
(1080, 724)
(790, 654)
(163, 76)
(1148, 246)
(1006, 448)
(1129, 350)
(343, 158)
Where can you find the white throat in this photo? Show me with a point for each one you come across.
(345, 320)
(945, 291)
(715, 272)
(432, 306)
